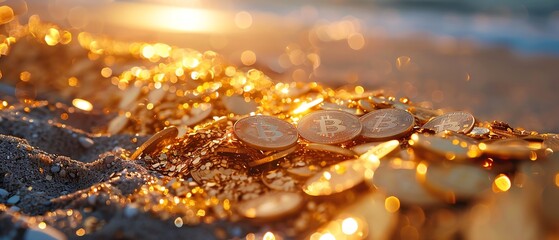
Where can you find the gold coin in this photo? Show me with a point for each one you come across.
(271, 205)
(265, 132)
(337, 178)
(517, 149)
(273, 157)
(158, 140)
(330, 148)
(454, 182)
(461, 122)
(363, 148)
(450, 147)
(329, 127)
(379, 151)
(386, 124)
(398, 178)
(424, 114)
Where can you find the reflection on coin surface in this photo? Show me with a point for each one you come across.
(517, 149)
(329, 127)
(445, 146)
(337, 178)
(265, 132)
(386, 123)
(271, 205)
(461, 122)
(479, 132)
(158, 140)
(454, 182)
(398, 178)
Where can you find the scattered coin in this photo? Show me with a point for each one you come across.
(515, 148)
(331, 148)
(367, 216)
(447, 146)
(363, 148)
(265, 132)
(329, 127)
(157, 141)
(379, 151)
(424, 114)
(479, 132)
(366, 105)
(271, 205)
(398, 178)
(454, 182)
(335, 179)
(273, 157)
(461, 122)
(386, 124)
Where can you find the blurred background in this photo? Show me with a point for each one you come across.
(498, 59)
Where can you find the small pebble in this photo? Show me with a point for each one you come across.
(15, 208)
(86, 142)
(48, 233)
(3, 193)
(55, 168)
(13, 200)
(63, 173)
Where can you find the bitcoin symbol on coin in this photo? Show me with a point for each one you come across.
(384, 122)
(447, 125)
(267, 131)
(461, 122)
(388, 123)
(330, 126)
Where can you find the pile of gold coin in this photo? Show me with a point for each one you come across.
(306, 160)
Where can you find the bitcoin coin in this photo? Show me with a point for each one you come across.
(265, 132)
(335, 179)
(461, 122)
(271, 205)
(454, 182)
(274, 156)
(386, 124)
(513, 149)
(332, 149)
(398, 178)
(157, 141)
(329, 127)
(453, 147)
